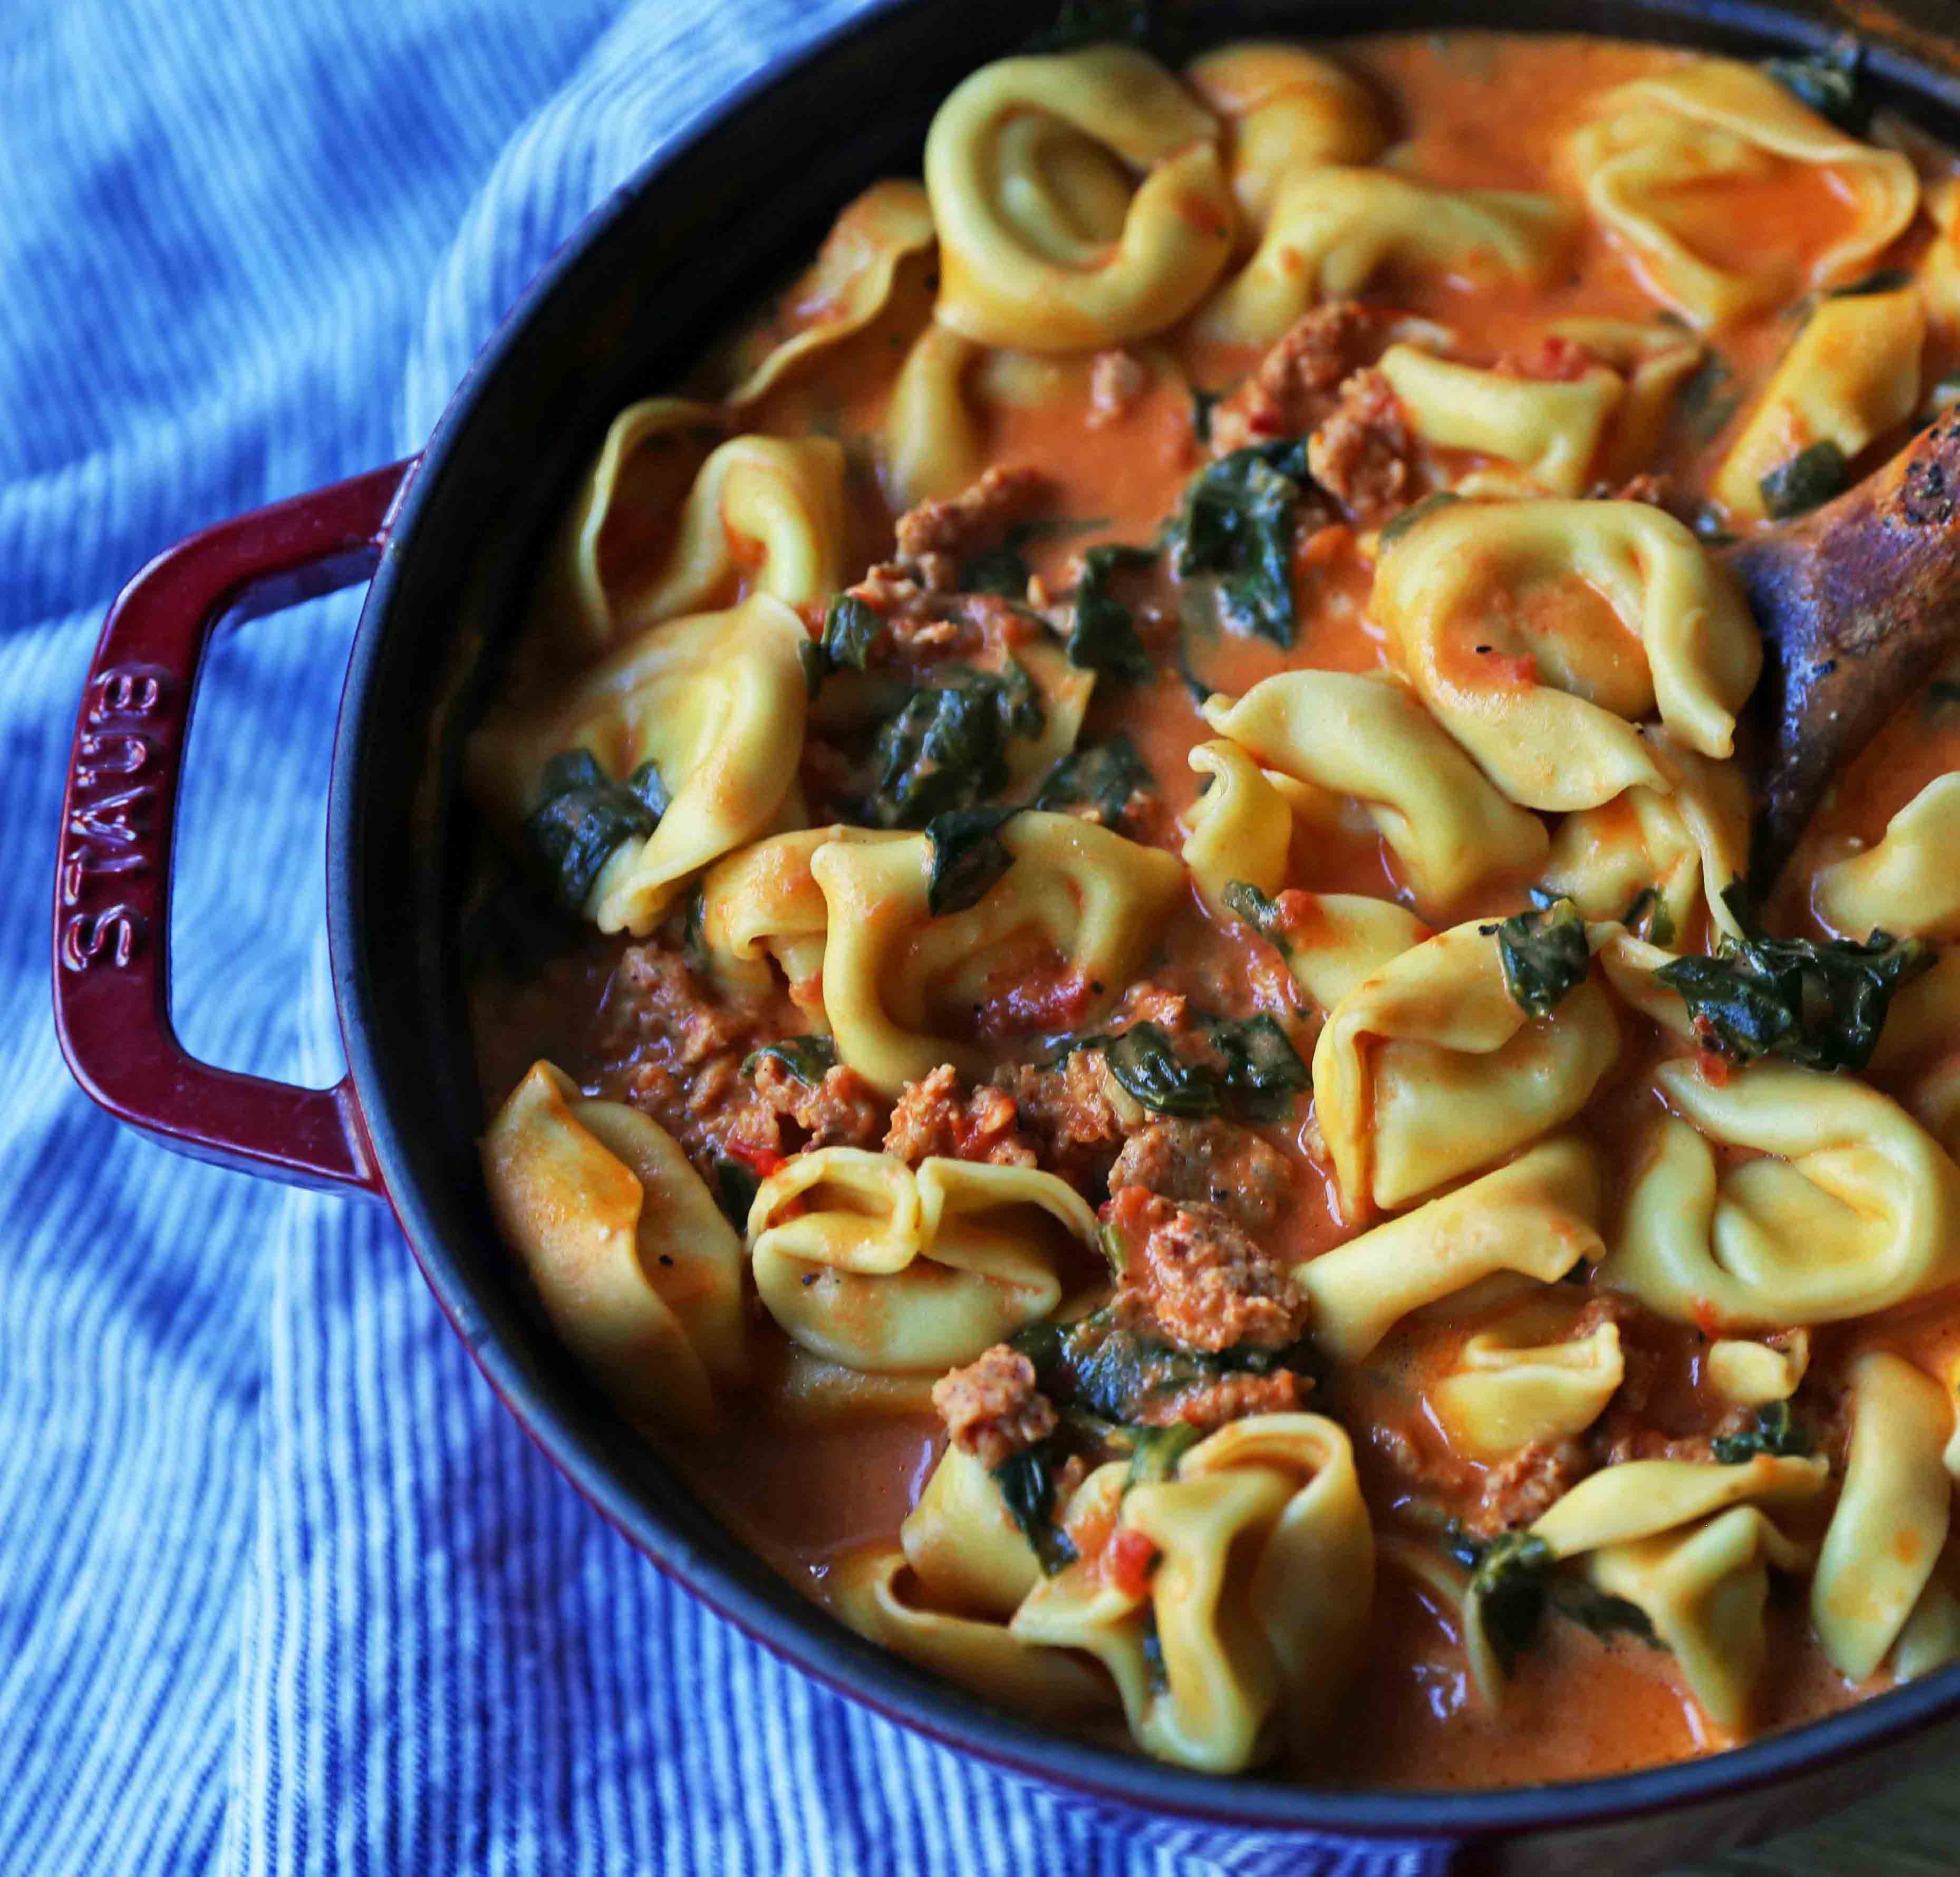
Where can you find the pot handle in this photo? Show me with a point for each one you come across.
(111, 935)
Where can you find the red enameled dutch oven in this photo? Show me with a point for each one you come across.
(446, 541)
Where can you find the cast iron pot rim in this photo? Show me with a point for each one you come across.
(777, 1617)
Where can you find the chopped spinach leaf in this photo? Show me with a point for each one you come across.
(1807, 481)
(1886, 280)
(1026, 1481)
(1258, 1074)
(816, 664)
(946, 747)
(968, 857)
(1156, 1675)
(1774, 1430)
(1155, 1452)
(1202, 403)
(851, 629)
(693, 943)
(1509, 1582)
(1102, 776)
(1415, 513)
(1544, 954)
(1605, 1616)
(1818, 1003)
(1103, 635)
(1095, 1366)
(735, 1185)
(998, 570)
(1262, 915)
(808, 1058)
(1828, 84)
(1648, 918)
(1237, 523)
(582, 816)
(1707, 398)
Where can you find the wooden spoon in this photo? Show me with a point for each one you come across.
(1858, 602)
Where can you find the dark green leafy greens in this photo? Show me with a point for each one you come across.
(998, 570)
(1807, 481)
(808, 1058)
(1237, 523)
(1260, 913)
(1886, 280)
(945, 748)
(1774, 1430)
(968, 856)
(1095, 1367)
(1258, 1073)
(735, 1185)
(1648, 918)
(1544, 953)
(1513, 1582)
(1828, 84)
(851, 629)
(1820, 1003)
(1026, 1481)
(1155, 1452)
(1706, 399)
(582, 816)
(1103, 634)
(1202, 403)
(1103, 776)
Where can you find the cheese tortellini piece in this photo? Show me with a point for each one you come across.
(899, 983)
(1259, 1601)
(716, 703)
(765, 511)
(1366, 738)
(1551, 429)
(857, 276)
(1891, 1522)
(1687, 845)
(1848, 1207)
(636, 1267)
(1284, 111)
(1752, 1374)
(1540, 632)
(1430, 1070)
(1653, 360)
(1538, 1217)
(1505, 1389)
(1908, 884)
(1918, 1057)
(934, 437)
(1717, 120)
(1331, 231)
(1081, 200)
(1852, 375)
(866, 1262)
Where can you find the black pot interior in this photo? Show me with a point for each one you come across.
(696, 240)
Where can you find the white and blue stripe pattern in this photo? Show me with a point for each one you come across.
(282, 1589)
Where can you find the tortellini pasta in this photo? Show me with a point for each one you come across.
(854, 279)
(636, 1267)
(1502, 1392)
(1259, 1600)
(1918, 1057)
(1539, 1216)
(1284, 111)
(1654, 361)
(1714, 120)
(1640, 1499)
(1047, 239)
(767, 510)
(1908, 884)
(894, 976)
(1366, 738)
(1890, 1522)
(1852, 375)
(934, 438)
(716, 703)
(1849, 1207)
(1538, 632)
(1429, 1069)
(1550, 428)
(1331, 230)
(864, 1262)
(1752, 1374)
(878, 1594)
(1686, 846)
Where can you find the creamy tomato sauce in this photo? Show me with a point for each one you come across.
(1471, 110)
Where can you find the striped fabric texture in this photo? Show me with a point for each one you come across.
(281, 1587)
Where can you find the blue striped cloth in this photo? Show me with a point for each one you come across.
(281, 1587)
